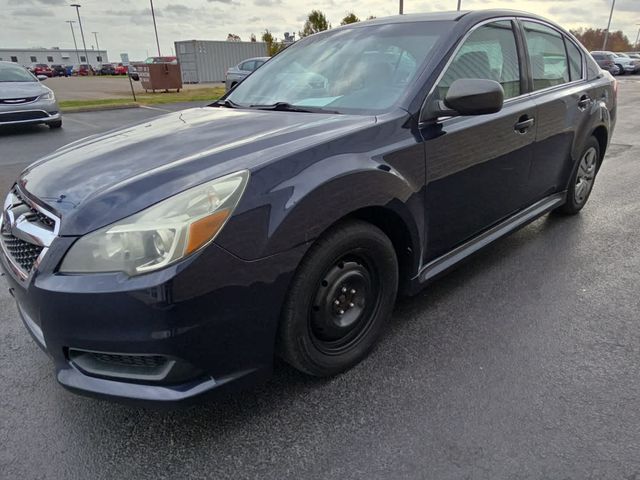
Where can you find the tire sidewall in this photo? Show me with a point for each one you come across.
(362, 240)
(571, 205)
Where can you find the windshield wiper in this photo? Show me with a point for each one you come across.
(225, 103)
(287, 107)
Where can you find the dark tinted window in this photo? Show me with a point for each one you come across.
(49, 59)
(548, 57)
(575, 60)
(34, 59)
(490, 53)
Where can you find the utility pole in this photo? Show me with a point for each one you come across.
(153, 14)
(75, 44)
(637, 44)
(84, 45)
(95, 34)
(606, 33)
(459, 2)
(401, 6)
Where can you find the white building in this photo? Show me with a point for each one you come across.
(52, 56)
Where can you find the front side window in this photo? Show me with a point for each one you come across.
(547, 54)
(489, 53)
(359, 69)
(575, 60)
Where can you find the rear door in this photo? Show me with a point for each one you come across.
(478, 166)
(563, 97)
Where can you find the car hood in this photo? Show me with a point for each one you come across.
(21, 89)
(101, 179)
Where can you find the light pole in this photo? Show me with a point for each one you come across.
(95, 34)
(637, 44)
(606, 33)
(401, 6)
(73, 34)
(153, 14)
(84, 45)
(459, 2)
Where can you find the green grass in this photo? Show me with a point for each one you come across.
(158, 98)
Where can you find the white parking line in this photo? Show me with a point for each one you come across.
(155, 108)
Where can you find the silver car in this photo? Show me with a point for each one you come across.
(238, 73)
(23, 99)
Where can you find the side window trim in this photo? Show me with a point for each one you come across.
(563, 35)
(463, 39)
(583, 69)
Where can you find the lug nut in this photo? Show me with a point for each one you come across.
(337, 302)
(341, 312)
(344, 289)
(351, 305)
(352, 291)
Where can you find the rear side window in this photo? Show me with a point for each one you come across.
(575, 60)
(248, 66)
(488, 53)
(547, 54)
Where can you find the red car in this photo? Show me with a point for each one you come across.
(42, 69)
(83, 70)
(121, 69)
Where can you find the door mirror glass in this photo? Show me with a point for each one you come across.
(473, 96)
(42, 77)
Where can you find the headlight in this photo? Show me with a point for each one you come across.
(48, 96)
(161, 234)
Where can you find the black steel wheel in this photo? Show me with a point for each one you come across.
(341, 297)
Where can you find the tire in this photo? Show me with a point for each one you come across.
(584, 174)
(355, 265)
(55, 124)
(622, 72)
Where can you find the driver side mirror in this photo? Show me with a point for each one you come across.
(42, 77)
(470, 96)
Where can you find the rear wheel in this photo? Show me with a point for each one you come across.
(339, 300)
(583, 178)
(621, 68)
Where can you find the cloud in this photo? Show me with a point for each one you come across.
(267, 3)
(32, 12)
(178, 9)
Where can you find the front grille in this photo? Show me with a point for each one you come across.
(22, 253)
(22, 116)
(16, 101)
(35, 215)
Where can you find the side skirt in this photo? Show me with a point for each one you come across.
(443, 263)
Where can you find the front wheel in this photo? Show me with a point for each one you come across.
(55, 124)
(339, 301)
(582, 179)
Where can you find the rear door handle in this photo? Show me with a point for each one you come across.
(584, 102)
(524, 124)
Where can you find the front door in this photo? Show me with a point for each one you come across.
(478, 166)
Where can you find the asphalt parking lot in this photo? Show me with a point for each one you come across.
(522, 364)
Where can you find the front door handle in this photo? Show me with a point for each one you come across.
(584, 102)
(524, 124)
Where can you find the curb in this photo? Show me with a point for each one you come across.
(98, 108)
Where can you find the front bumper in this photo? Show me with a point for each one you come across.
(214, 312)
(39, 111)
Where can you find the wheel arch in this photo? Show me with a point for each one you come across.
(602, 136)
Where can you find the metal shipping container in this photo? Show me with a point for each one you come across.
(203, 61)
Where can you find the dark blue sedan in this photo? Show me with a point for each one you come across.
(181, 255)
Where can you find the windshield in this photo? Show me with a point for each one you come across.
(14, 73)
(365, 69)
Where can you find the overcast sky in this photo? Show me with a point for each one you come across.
(126, 25)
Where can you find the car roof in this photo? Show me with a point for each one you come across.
(453, 15)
